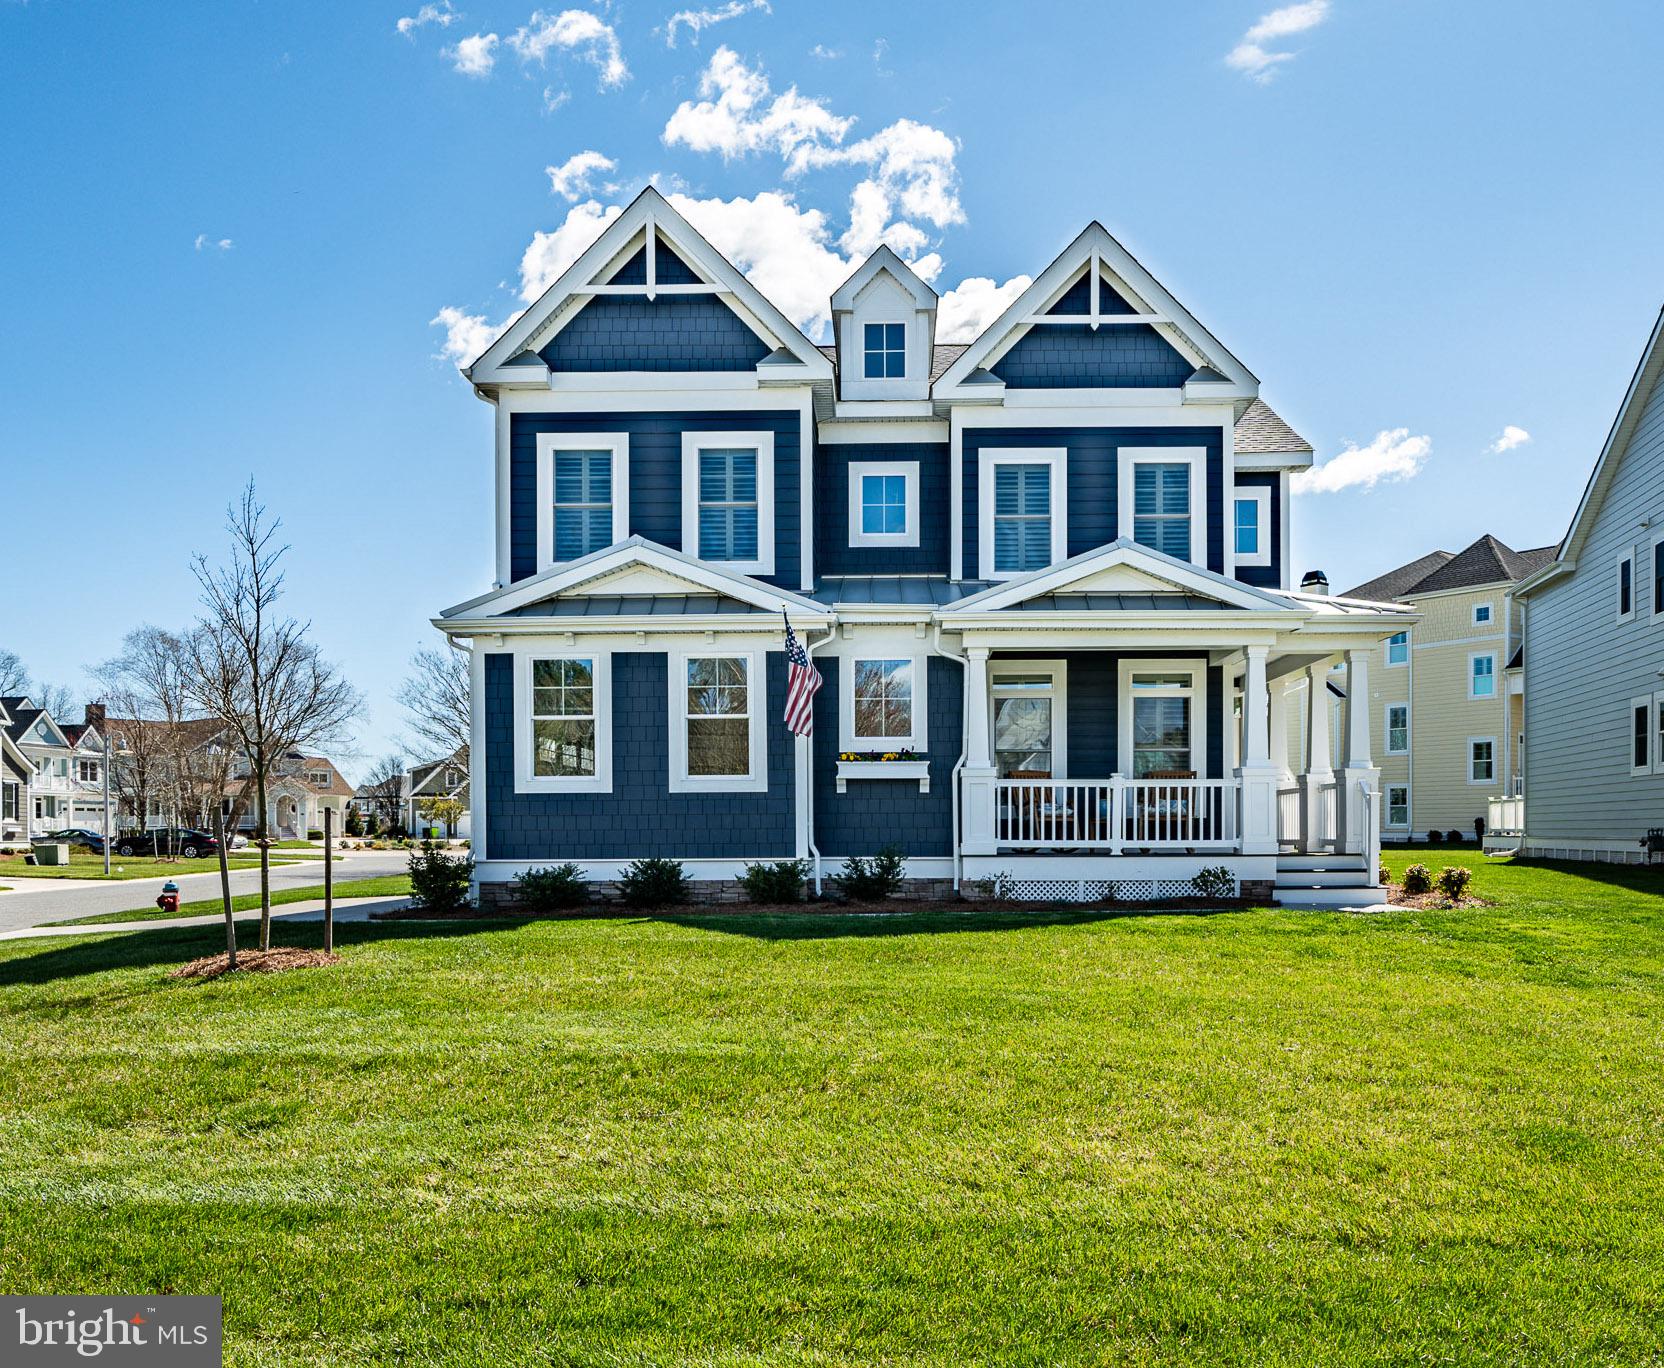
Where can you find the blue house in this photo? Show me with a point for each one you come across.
(1044, 575)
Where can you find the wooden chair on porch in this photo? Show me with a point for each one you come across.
(1037, 812)
(1157, 814)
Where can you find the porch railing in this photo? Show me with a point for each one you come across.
(1288, 816)
(1505, 816)
(1117, 814)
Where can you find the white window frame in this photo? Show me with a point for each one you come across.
(885, 321)
(1387, 807)
(1058, 672)
(1128, 458)
(1197, 692)
(1474, 656)
(1472, 742)
(1261, 496)
(1488, 609)
(762, 442)
(548, 443)
(1386, 729)
(1386, 649)
(908, 471)
(755, 780)
(918, 739)
(1628, 558)
(1646, 705)
(525, 780)
(987, 460)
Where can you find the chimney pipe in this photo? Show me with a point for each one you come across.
(1315, 582)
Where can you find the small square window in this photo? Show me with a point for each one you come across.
(883, 503)
(1481, 614)
(885, 348)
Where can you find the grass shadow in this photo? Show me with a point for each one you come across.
(1635, 878)
(815, 924)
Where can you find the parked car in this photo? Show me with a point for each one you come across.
(184, 841)
(79, 837)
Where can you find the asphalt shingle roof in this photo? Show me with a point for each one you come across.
(1487, 561)
(1260, 431)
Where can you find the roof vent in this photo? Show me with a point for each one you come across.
(1314, 582)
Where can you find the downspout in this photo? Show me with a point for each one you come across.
(1415, 711)
(809, 788)
(964, 743)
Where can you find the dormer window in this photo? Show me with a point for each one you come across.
(885, 347)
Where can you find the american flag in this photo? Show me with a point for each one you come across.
(803, 681)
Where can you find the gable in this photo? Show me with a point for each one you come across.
(668, 267)
(1074, 356)
(1077, 299)
(669, 333)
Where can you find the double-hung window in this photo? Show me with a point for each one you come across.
(1251, 526)
(728, 499)
(883, 503)
(1481, 760)
(1162, 709)
(717, 711)
(1398, 805)
(563, 739)
(1482, 675)
(1162, 493)
(1398, 729)
(583, 494)
(1398, 648)
(884, 703)
(1021, 509)
(884, 348)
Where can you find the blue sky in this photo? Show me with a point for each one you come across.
(228, 228)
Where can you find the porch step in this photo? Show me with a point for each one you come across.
(1323, 878)
(1288, 864)
(1332, 898)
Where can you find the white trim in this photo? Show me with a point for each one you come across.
(842, 432)
(1490, 615)
(1128, 458)
(1197, 692)
(910, 771)
(1387, 805)
(909, 471)
(1387, 747)
(1474, 656)
(1260, 495)
(1057, 458)
(1285, 555)
(1386, 651)
(1628, 558)
(1059, 672)
(548, 444)
(762, 442)
(883, 259)
(917, 739)
(1645, 703)
(1482, 783)
(755, 780)
(525, 781)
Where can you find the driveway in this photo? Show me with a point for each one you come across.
(33, 901)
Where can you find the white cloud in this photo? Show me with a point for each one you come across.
(825, 53)
(442, 14)
(1394, 455)
(548, 254)
(965, 311)
(466, 335)
(474, 56)
(737, 117)
(696, 21)
(575, 31)
(204, 243)
(571, 179)
(1511, 437)
(1258, 62)
(553, 99)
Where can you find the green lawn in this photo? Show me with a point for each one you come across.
(390, 885)
(84, 866)
(930, 1138)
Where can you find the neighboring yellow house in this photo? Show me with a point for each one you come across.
(1447, 697)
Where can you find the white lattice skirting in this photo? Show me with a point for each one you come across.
(1098, 890)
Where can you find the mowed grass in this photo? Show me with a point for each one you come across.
(933, 1138)
(385, 886)
(83, 865)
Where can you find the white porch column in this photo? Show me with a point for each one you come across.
(1257, 775)
(1353, 813)
(1319, 771)
(978, 776)
(1277, 726)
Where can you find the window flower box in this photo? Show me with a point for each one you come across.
(904, 764)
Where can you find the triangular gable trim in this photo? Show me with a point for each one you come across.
(883, 259)
(637, 551)
(1182, 575)
(58, 731)
(1097, 249)
(649, 210)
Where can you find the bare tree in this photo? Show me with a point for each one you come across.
(148, 686)
(385, 789)
(14, 679)
(257, 672)
(56, 699)
(436, 697)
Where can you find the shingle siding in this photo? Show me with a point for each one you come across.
(1092, 480)
(640, 817)
(1263, 576)
(656, 477)
(875, 813)
(1092, 725)
(1582, 666)
(1073, 356)
(833, 553)
(671, 333)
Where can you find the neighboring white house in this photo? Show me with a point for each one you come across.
(436, 779)
(48, 798)
(1594, 651)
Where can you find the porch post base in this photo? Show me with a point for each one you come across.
(1257, 833)
(1313, 828)
(977, 837)
(1352, 814)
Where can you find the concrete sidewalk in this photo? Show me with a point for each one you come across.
(346, 910)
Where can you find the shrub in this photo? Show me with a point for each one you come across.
(1479, 830)
(873, 880)
(1417, 879)
(653, 883)
(780, 882)
(439, 882)
(355, 823)
(1453, 881)
(1383, 876)
(314, 833)
(1435, 836)
(1454, 837)
(552, 890)
(1214, 882)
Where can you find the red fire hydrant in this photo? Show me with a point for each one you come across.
(168, 898)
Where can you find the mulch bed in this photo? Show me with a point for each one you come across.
(274, 961)
(1399, 898)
